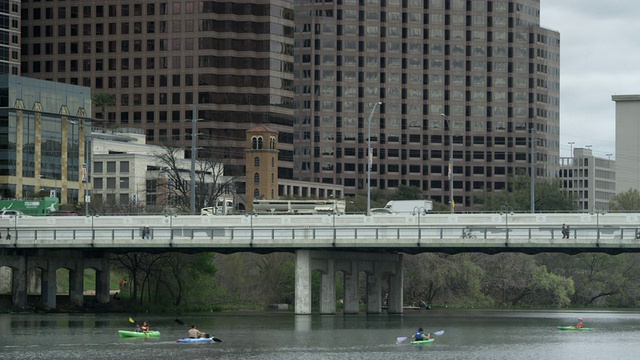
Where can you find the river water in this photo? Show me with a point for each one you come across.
(468, 334)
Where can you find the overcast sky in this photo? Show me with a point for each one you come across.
(599, 57)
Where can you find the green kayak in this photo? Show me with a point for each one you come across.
(423, 342)
(148, 334)
(573, 328)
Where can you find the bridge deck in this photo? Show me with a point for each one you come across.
(451, 233)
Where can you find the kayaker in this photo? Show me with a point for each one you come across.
(195, 333)
(420, 335)
(579, 325)
(138, 328)
(145, 327)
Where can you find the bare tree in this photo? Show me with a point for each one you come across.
(210, 180)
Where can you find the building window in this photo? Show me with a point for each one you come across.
(256, 162)
(256, 178)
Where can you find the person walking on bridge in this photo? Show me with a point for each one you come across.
(565, 231)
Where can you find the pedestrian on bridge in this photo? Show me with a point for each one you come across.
(565, 231)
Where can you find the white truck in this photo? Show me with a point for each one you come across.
(404, 207)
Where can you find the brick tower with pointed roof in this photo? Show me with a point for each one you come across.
(262, 164)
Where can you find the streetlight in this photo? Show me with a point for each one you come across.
(335, 236)
(85, 166)
(370, 157)
(251, 215)
(598, 211)
(193, 161)
(506, 211)
(452, 203)
(571, 148)
(609, 156)
(419, 210)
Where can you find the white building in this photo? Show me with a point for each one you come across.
(592, 180)
(627, 142)
(126, 171)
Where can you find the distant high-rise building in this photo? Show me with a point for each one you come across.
(10, 46)
(627, 144)
(232, 61)
(483, 74)
(590, 180)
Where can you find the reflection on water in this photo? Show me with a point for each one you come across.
(468, 334)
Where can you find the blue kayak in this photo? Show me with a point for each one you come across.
(198, 340)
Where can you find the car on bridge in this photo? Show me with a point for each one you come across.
(6, 214)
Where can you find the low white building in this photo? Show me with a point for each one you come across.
(128, 172)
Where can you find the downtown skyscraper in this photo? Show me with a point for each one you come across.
(474, 81)
(229, 60)
(471, 80)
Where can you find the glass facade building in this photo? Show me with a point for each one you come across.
(43, 127)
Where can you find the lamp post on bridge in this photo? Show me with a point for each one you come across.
(452, 203)
(370, 157)
(598, 211)
(419, 210)
(251, 215)
(334, 214)
(506, 211)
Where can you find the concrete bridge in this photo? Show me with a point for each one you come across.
(327, 243)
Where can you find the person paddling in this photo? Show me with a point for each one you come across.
(145, 327)
(579, 325)
(195, 333)
(420, 335)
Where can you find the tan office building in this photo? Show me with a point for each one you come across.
(479, 73)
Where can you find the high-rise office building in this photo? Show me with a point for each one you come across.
(469, 81)
(230, 60)
(474, 81)
(627, 145)
(10, 30)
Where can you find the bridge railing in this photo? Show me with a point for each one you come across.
(322, 236)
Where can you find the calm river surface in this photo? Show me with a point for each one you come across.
(469, 334)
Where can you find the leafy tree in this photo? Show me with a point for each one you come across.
(443, 279)
(626, 201)
(549, 196)
(407, 193)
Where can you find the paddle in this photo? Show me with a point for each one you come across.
(215, 339)
(402, 339)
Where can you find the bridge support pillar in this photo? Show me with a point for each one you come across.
(351, 298)
(48, 287)
(328, 290)
(396, 291)
(19, 283)
(303, 282)
(374, 291)
(102, 280)
(76, 283)
(375, 266)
